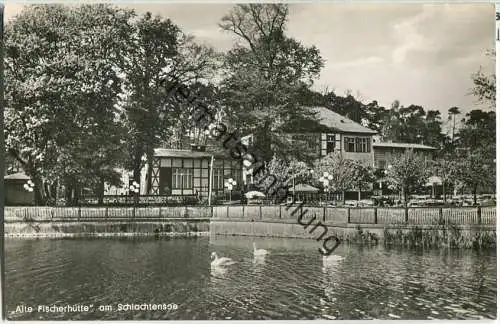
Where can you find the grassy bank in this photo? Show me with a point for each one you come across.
(443, 235)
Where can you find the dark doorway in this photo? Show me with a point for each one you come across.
(165, 181)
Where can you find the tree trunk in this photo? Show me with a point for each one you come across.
(46, 191)
(137, 175)
(76, 194)
(100, 192)
(343, 197)
(453, 131)
(53, 190)
(137, 169)
(149, 174)
(38, 191)
(359, 194)
(474, 192)
(56, 195)
(68, 194)
(137, 178)
(444, 192)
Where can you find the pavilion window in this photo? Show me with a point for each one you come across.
(218, 178)
(182, 178)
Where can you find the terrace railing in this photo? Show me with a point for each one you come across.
(140, 200)
(328, 215)
(364, 215)
(37, 214)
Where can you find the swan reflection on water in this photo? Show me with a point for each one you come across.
(259, 252)
(331, 262)
(259, 260)
(330, 268)
(259, 255)
(218, 272)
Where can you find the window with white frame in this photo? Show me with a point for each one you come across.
(357, 144)
(218, 178)
(182, 178)
(349, 144)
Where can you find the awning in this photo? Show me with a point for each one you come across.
(17, 176)
(434, 180)
(254, 194)
(302, 187)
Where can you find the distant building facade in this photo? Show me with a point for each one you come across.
(330, 132)
(384, 152)
(176, 172)
(335, 133)
(184, 172)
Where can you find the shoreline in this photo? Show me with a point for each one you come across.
(426, 236)
(102, 235)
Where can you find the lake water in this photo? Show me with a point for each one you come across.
(292, 282)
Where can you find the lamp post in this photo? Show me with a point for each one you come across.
(144, 160)
(230, 183)
(381, 181)
(386, 171)
(325, 180)
(134, 187)
(28, 186)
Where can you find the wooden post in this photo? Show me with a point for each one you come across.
(348, 215)
(280, 210)
(210, 180)
(227, 211)
(406, 214)
(375, 215)
(479, 215)
(106, 213)
(260, 212)
(324, 214)
(79, 212)
(159, 212)
(440, 215)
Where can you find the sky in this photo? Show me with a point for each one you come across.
(422, 54)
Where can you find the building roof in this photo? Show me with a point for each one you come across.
(404, 145)
(338, 122)
(161, 152)
(17, 176)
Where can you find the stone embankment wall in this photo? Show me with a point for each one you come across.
(103, 222)
(430, 226)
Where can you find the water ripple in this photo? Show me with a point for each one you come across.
(293, 282)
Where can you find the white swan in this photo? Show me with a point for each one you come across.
(220, 262)
(259, 252)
